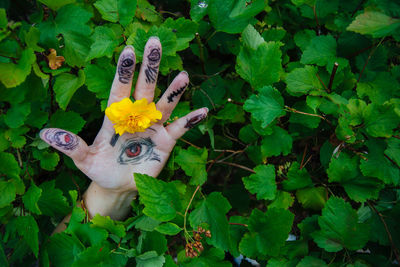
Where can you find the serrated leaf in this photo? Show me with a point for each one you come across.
(251, 38)
(114, 11)
(267, 232)
(105, 222)
(193, 162)
(48, 160)
(12, 74)
(8, 165)
(31, 198)
(17, 115)
(65, 87)
(320, 51)
(262, 183)
(301, 80)
(104, 43)
(99, 78)
(310, 261)
(8, 193)
(244, 9)
(28, 228)
(63, 249)
(161, 199)
(52, 202)
(277, 143)
(212, 211)
(377, 165)
(184, 29)
(261, 66)
(374, 23)
(345, 171)
(70, 121)
(340, 228)
(149, 259)
(16, 136)
(198, 9)
(283, 200)
(266, 106)
(296, 178)
(380, 120)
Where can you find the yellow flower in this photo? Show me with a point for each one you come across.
(132, 117)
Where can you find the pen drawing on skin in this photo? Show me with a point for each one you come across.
(61, 138)
(153, 61)
(137, 150)
(176, 93)
(190, 123)
(125, 68)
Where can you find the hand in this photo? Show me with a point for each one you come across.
(111, 160)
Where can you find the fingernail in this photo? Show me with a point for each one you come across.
(206, 109)
(154, 37)
(41, 132)
(129, 47)
(185, 72)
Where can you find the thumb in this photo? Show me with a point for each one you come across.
(68, 143)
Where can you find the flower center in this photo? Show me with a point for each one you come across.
(133, 120)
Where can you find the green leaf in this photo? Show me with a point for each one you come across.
(198, 9)
(301, 80)
(71, 22)
(381, 89)
(310, 261)
(184, 29)
(219, 12)
(261, 66)
(345, 171)
(267, 232)
(63, 249)
(99, 78)
(377, 165)
(193, 162)
(105, 222)
(8, 165)
(28, 228)
(56, 4)
(32, 38)
(168, 228)
(277, 143)
(3, 18)
(296, 178)
(149, 241)
(8, 193)
(306, 120)
(12, 74)
(161, 199)
(266, 106)
(320, 51)
(31, 198)
(149, 259)
(65, 87)
(393, 150)
(244, 9)
(251, 38)
(380, 120)
(52, 202)
(17, 115)
(212, 211)
(120, 10)
(48, 160)
(70, 121)
(283, 200)
(104, 43)
(262, 183)
(374, 23)
(340, 227)
(312, 198)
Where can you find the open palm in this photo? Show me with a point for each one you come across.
(112, 159)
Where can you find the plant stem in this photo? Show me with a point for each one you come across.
(394, 248)
(236, 165)
(305, 113)
(187, 142)
(316, 20)
(242, 224)
(335, 67)
(201, 52)
(187, 209)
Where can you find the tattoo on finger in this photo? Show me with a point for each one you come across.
(126, 67)
(136, 151)
(153, 62)
(61, 139)
(190, 123)
(176, 93)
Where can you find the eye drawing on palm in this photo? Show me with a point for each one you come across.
(137, 150)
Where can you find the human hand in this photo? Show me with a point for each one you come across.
(111, 160)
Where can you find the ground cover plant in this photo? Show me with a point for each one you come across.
(302, 137)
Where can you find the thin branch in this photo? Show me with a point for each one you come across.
(366, 62)
(392, 161)
(19, 158)
(304, 154)
(394, 248)
(335, 67)
(305, 113)
(236, 165)
(13, 58)
(320, 80)
(316, 20)
(230, 100)
(187, 208)
(201, 52)
(187, 142)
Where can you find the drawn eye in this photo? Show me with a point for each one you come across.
(137, 150)
(62, 139)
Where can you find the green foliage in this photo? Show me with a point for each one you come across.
(293, 144)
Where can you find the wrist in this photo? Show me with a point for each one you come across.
(108, 202)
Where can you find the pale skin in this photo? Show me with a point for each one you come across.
(111, 160)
